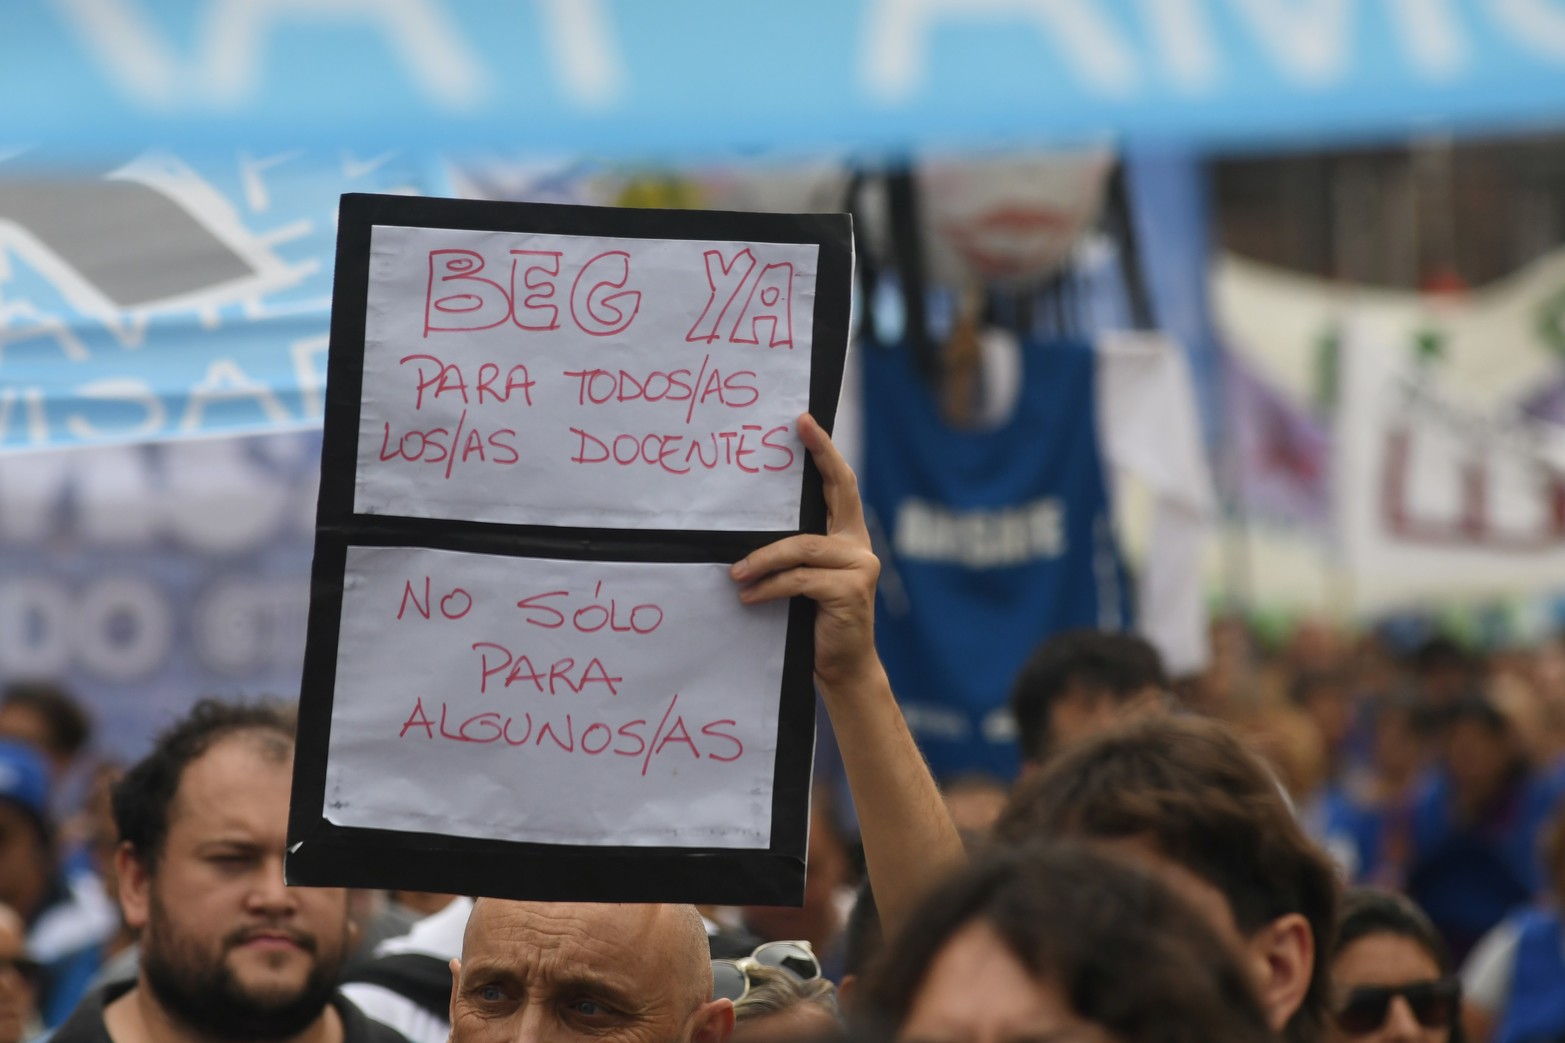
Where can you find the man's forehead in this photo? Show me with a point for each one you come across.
(652, 940)
(557, 925)
(626, 947)
(234, 783)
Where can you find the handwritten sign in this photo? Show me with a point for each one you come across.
(533, 671)
(549, 432)
(646, 383)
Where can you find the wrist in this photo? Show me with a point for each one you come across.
(853, 682)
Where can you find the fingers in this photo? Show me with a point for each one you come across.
(808, 564)
(820, 585)
(825, 552)
(840, 485)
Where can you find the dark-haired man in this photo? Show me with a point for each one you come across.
(67, 918)
(48, 718)
(227, 951)
(1186, 798)
(1077, 683)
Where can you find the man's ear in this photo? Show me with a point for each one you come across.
(135, 885)
(712, 1022)
(1283, 953)
(456, 979)
(845, 990)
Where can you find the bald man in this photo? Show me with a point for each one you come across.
(541, 972)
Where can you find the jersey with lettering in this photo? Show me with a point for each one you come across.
(990, 539)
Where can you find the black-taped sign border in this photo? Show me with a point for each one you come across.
(323, 854)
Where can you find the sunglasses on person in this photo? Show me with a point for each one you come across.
(731, 978)
(1433, 1004)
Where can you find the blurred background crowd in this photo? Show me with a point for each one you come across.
(1236, 326)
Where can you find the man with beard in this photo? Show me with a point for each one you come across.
(228, 952)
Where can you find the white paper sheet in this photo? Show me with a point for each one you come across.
(643, 383)
(658, 689)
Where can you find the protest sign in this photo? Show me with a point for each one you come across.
(549, 431)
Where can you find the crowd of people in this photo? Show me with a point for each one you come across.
(1324, 841)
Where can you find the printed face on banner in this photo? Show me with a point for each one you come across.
(555, 702)
(644, 383)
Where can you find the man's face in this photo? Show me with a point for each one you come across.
(16, 988)
(26, 725)
(540, 972)
(1083, 711)
(1478, 759)
(23, 858)
(227, 949)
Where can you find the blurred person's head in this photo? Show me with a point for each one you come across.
(1479, 752)
(1232, 665)
(557, 971)
(781, 1007)
(1548, 667)
(1315, 645)
(1185, 797)
(27, 863)
(1292, 744)
(1077, 683)
(862, 941)
(828, 873)
(1059, 943)
(227, 950)
(1551, 849)
(1326, 697)
(18, 980)
(46, 717)
(974, 801)
(1373, 664)
(1443, 671)
(423, 903)
(1392, 973)
(1398, 740)
(1516, 698)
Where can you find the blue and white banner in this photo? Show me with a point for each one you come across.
(145, 577)
(680, 77)
(154, 296)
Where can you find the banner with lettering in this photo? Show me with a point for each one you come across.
(147, 296)
(1396, 446)
(684, 77)
(1439, 492)
(549, 431)
(144, 577)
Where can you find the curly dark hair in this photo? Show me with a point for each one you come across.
(142, 797)
(1125, 951)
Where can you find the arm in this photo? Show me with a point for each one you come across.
(910, 844)
(1486, 980)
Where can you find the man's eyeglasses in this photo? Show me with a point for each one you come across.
(731, 978)
(1433, 1003)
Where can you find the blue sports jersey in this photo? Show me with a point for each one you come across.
(990, 540)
